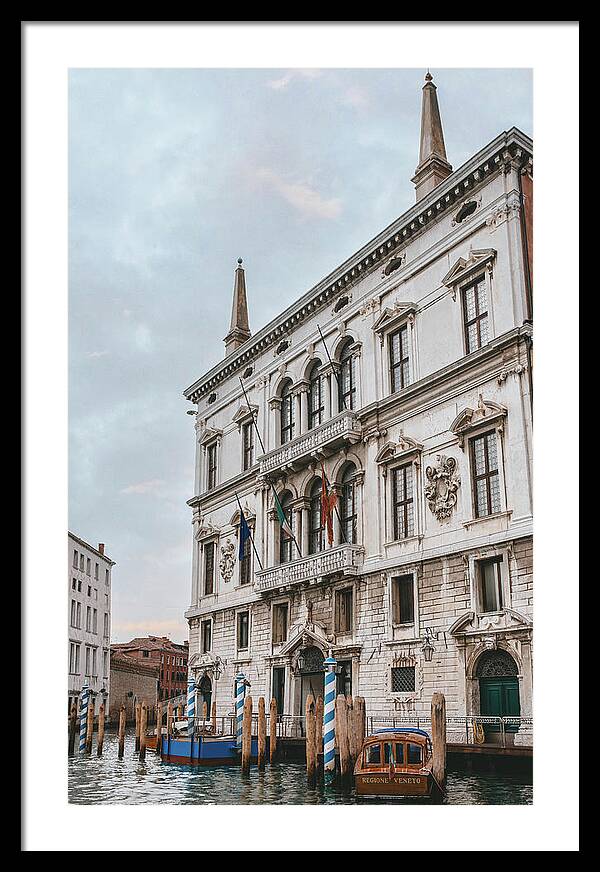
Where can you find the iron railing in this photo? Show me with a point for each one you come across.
(468, 730)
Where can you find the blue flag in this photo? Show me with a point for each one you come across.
(244, 534)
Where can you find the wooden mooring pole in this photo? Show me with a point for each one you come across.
(319, 732)
(213, 717)
(143, 730)
(169, 718)
(138, 709)
(122, 718)
(100, 729)
(262, 733)
(359, 721)
(247, 735)
(72, 728)
(90, 725)
(159, 717)
(311, 734)
(272, 730)
(438, 737)
(341, 731)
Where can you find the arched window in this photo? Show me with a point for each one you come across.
(348, 505)
(287, 413)
(315, 532)
(286, 543)
(347, 377)
(316, 398)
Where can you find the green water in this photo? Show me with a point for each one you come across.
(112, 781)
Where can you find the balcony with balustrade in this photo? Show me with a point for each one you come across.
(325, 439)
(343, 560)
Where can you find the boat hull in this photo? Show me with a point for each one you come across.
(204, 751)
(399, 784)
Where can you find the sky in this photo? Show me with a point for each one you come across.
(173, 175)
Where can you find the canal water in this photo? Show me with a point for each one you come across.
(112, 781)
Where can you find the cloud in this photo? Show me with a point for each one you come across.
(356, 97)
(290, 76)
(94, 354)
(144, 487)
(131, 629)
(301, 196)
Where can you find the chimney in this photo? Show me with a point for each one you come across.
(101, 547)
(239, 329)
(433, 167)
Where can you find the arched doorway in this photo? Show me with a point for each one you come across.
(205, 688)
(312, 675)
(498, 685)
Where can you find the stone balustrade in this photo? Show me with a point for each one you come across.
(328, 436)
(345, 559)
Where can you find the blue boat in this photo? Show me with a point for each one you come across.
(204, 750)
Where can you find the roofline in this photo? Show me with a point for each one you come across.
(91, 547)
(338, 280)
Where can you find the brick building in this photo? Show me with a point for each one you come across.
(422, 422)
(132, 680)
(170, 657)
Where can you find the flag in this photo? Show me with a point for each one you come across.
(328, 503)
(244, 534)
(285, 525)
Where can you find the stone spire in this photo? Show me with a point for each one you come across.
(433, 167)
(239, 329)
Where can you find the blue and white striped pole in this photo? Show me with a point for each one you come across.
(83, 710)
(329, 719)
(191, 705)
(240, 693)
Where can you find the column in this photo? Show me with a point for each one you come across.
(304, 407)
(305, 521)
(327, 391)
(274, 422)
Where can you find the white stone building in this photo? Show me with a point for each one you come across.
(423, 423)
(90, 583)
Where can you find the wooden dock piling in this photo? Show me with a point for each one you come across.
(159, 717)
(438, 737)
(262, 733)
(272, 730)
(100, 729)
(341, 731)
(169, 718)
(319, 731)
(311, 733)
(143, 730)
(90, 725)
(138, 708)
(247, 735)
(72, 728)
(122, 718)
(360, 721)
(213, 717)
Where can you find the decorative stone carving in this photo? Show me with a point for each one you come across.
(227, 561)
(519, 369)
(393, 264)
(442, 483)
(372, 305)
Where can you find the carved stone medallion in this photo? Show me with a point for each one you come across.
(442, 483)
(227, 561)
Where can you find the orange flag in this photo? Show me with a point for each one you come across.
(328, 503)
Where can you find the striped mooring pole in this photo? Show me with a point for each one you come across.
(329, 719)
(83, 710)
(240, 693)
(191, 705)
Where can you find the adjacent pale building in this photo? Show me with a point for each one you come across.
(90, 584)
(417, 407)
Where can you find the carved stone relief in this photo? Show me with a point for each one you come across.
(443, 482)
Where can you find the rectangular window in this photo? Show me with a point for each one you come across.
(88, 661)
(475, 310)
(106, 577)
(145, 653)
(403, 603)
(403, 500)
(211, 466)
(94, 667)
(78, 618)
(88, 619)
(72, 648)
(106, 630)
(73, 613)
(486, 478)
(209, 568)
(95, 621)
(490, 585)
(81, 563)
(247, 445)
(279, 687)
(399, 359)
(206, 636)
(243, 621)
(403, 679)
(96, 569)
(280, 622)
(73, 584)
(88, 569)
(105, 664)
(343, 611)
(246, 564)
(75, 559)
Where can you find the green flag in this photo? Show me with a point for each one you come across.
(285, 525)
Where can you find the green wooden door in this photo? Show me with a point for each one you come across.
(499, 697)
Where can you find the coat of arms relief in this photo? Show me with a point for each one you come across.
(227, 561)
(442, 483)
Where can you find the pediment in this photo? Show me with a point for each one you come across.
(464, 267)
(468, 419)
(244, 413)
(304, 635)
(248, 514)
(207, 530)
(505, 621)
(392, 315)
(396, 450)
(209, 434)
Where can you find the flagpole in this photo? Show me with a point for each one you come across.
(250, 531)
(262, 445)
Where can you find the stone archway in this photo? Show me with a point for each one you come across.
(498, 677)
(205, 691)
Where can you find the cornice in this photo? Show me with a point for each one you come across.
(511, 148)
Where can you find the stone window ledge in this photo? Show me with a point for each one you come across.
(496, 516)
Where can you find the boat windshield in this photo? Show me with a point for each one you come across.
(414, 753)
(373, 755)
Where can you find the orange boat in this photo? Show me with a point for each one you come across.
(395, 762)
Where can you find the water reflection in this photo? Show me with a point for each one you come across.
(129, 782)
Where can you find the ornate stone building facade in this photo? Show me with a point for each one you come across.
(422, 422)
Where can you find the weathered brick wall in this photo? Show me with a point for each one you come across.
(122, 682)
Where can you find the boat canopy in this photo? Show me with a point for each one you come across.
(400, 730)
